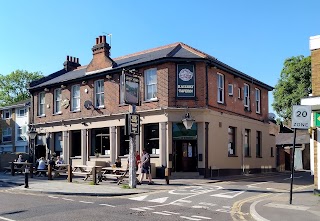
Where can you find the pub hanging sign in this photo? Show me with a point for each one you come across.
(132, 124)
(185, 81)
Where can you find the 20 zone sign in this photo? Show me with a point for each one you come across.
(301, 116)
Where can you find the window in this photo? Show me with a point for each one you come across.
(75, 91)
(41, 103)
(246, 95)
(21, 149)
(247, 143)
(232, 141)
(100, 141)
(6, 114)
(21, 133)
(230, 89)
(151, 138)
(220, 88)
(22, 112)
(57, 101)
(239, 93)
(150, 84)
(258, 100)
(124, 142)
(258, 144)
(121, 92)
(271, 152)
(6, 134)
(99, 93)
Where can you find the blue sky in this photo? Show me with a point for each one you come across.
(252, 36)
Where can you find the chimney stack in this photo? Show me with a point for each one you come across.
(71, 63)
(101, 55)
(315, 64)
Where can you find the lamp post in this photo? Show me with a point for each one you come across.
(32, 135)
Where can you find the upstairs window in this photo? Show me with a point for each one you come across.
(150, 76)
(246, 94)
(230, 89)
(239, 93)
(75, 92)
(22, 112)
(232, 141)
(99, 93)
(220, 88)
(258, 94)
(41, 103)
(6, 134)
(57, 101)
(6, 114)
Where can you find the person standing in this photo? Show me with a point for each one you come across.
(145, 167)
(138, 160)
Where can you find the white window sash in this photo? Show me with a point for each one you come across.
(220, 88)
(75, 97)
(258, 96)
(151, 84)
(57, 100)
(99, 93)
(41, 103)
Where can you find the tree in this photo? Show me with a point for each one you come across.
(294, 84)
(14, 86)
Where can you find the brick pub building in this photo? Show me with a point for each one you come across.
(81, 112)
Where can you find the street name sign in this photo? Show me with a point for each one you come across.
(301, 116)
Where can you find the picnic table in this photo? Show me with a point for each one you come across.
(60, 168)
(85, 170)
(20, 167)
(117, 173)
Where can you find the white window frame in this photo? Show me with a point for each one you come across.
(230, 89)
(99, 94)
(75, 106)
(246, 95)
(5, 112)
(41, 103)
(258, 100)
(153, 85)
(21, 133)
(220, 95)
(19, 112)
(57, 100)
(7, 132)
(239, 93)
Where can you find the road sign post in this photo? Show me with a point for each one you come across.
(301, 119)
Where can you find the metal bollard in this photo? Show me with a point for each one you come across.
(12, 168)
(167, 175)
(26, 178)
(69, 173)
(94, 176)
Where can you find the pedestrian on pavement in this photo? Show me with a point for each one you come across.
(145, 167)
(138, 160)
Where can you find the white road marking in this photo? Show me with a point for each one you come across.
(139, 198)
(201, 217)
(54, 197)
(102, 204)
(142, 209)
(3, 218)
(159, 200)
(176, 203)
(223, 210)
(161, 213)
(171, 212)
(200, 207)
(229, 195)
(68, 199)
(184, 201)
(295, 177)
(189, 218)
(85, 202)
(207, 204)
(253, 185)
(226, 207)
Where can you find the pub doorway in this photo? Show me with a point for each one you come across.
(185, 156)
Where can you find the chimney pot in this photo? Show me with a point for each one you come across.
(97, 41)
(77, 60)
(100, 39)
(67, 57)
(104, 39)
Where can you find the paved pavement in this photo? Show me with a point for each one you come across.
(306, 205)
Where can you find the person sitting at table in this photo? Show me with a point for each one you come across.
(118, 162)
(20, 159)
(41, 166)
(52, 163)
(59, 160)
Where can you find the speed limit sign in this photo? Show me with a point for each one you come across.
(301, 116)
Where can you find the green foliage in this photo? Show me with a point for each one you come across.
(14, 86)
(125, 186)
(294, 84)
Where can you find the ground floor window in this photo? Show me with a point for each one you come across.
(100, 141)
(21, 149)
(247, 143)
(75, 143)
(124, 142)
(151, 138)
(232, 141)
(58, 143)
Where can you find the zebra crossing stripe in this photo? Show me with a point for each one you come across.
(102, 204)
(189, 218)
(161, 213)
(142, 209)
(171, 212)
(201, 217)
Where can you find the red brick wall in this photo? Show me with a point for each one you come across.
(166, 95)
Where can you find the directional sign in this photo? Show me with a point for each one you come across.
(301, 116)
(317, 119)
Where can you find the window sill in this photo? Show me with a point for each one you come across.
(6, 142)
(151, 100)
(232, 156)
(59, 113)
(75, 111)
(222, 103)
(40, 116)
(100, 107)
(247, 156)
(258, 156)
(123, 105)
(6, 118)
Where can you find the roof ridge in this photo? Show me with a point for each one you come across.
(147, 51)
(197, 51)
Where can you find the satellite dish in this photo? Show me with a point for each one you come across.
(65, 103)
(271, 116)
(87, 104)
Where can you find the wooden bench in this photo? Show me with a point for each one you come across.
(119, 177)
(7, 169)
(39, 172)
(81, 173)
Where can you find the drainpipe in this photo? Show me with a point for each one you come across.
(207, 95)
(206, 150)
